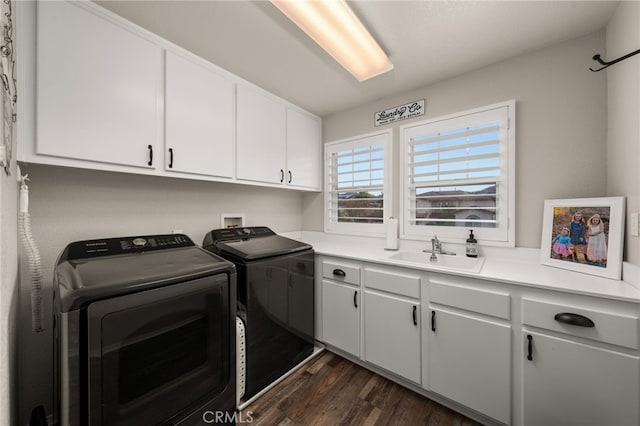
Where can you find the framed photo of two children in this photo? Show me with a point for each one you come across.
(584, 235)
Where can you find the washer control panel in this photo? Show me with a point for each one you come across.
(125, 245)
(226, 234)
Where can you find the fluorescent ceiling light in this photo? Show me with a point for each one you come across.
(333, 25)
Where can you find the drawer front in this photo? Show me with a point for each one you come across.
(485, 302)
(402, 284)
(341, 272)
(608, 327)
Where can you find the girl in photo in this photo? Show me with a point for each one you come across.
(562, 243)
(597, 244)
(577, 231)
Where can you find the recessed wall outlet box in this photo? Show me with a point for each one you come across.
(635, 225)
(232, 220)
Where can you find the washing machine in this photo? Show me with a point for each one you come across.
(275, 299)
(144, 332)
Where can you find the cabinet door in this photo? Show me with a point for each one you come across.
(99, 88)
(392, 334)
(571, 383)
(470, 362)
(341, 316)
(260, 137)
(199, 119)
(304, 150)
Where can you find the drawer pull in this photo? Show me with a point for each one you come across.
(574, 319)
(530, 347)
(415, 316)
(433, 321)
(339, 273)
(355, 298)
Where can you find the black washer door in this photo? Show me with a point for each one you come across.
(158, 354)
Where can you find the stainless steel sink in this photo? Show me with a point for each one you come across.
(460, 263)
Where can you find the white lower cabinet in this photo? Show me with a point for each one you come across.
(570, 383)
(580, 363)
(392, 334)
(341, 316)
(468, 332)
(500, 353)
(469, 361)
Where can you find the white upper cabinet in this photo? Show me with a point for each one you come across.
(99, 92)
(261, 144)
(199, 119)
(304, 150)
(99, 89)
(277, 144)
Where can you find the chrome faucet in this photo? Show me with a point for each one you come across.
(435, 245)
(436, 248)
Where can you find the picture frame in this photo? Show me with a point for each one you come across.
(584, 235)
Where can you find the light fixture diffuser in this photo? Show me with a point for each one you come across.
(333, 25)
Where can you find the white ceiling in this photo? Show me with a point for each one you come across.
(427, 41)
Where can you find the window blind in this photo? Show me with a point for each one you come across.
(454, 176)
(356, 184)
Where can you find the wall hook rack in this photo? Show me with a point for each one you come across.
(615, 61)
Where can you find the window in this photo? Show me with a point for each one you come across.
(458, 174)
(357, 189)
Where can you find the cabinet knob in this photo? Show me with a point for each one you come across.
(355, 298)
(415, 315)
(574, 319)
(290, 176)
(530, 347)
(150, 148)
(281, 175)
(433, 321)
(170, 158)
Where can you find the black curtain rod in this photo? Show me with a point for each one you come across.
(615, 61)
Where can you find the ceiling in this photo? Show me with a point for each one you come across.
(427, 41)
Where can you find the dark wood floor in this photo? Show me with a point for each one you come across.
(331, 390)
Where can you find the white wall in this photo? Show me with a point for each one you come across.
(560, 126)
(623, 137)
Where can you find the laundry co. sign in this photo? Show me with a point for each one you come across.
(401, 112)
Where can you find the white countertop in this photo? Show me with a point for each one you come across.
(519, 266)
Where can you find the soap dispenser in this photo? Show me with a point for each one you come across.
(472, 245)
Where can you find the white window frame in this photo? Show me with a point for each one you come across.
(504, 233)
(364, 229)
